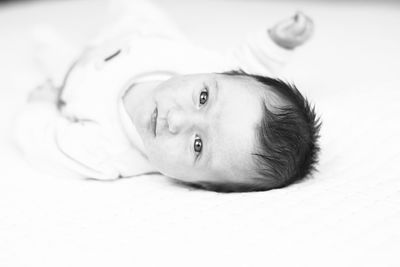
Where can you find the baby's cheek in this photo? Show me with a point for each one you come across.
(162, 160)
(168, 157)
(171, 166)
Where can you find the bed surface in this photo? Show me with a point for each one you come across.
(348, 214)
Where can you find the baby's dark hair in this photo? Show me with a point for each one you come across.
(287, 149)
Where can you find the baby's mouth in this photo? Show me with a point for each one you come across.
(154, 116)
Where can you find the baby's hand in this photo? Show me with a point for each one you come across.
(292, 32)
(45, 93)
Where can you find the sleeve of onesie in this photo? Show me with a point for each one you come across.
(42, 136)
(136, 17)
(34, 134)
(259, 54)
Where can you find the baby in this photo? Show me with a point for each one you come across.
(142, 100)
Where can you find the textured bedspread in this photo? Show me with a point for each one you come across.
(348, 214)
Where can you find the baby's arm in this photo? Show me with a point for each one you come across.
(127, 18)
(270, 50)
(72, 147)
(45, 94)
(41, 132)
(34, 130)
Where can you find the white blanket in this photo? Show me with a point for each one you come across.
(348, 214)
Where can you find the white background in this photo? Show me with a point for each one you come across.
(348, 214)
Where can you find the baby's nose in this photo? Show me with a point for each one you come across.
(178, 120)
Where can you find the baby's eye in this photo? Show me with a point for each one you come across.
(198, 145)
(204, 96)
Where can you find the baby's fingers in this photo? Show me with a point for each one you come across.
(301, 25)
(293, 31)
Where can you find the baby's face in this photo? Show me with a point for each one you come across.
(200, 127)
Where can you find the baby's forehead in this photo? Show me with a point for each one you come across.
(234, 156)
(235, 133)
(267, 93)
